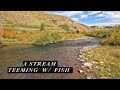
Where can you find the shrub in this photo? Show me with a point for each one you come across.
(21, 36)
(42, 40)
(103, 35)
(66, 27)
(107, 37)
(97, 33)
(42, 27)
(47, 37)
(113, 39)
(77, 31)
(8, 34)
(56, 37)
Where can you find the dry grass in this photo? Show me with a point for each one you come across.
(107, 36)
(107, 55)
(113, 39)
(38, 37)
(71, 35)
(108, 59)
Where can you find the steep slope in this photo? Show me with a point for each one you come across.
(34, 19)
(18, 17)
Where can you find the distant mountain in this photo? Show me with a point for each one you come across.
(98, 27)
(108, 26)
(33, 20)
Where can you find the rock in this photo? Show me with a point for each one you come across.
(82, 66)
(82, 60)
(96, 67)
(93, 62)
(78, 58)
(101, 62)
(88, 77)
(88, 64)
(86, 58)
(80, 71)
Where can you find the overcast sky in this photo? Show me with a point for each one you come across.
(105, 18)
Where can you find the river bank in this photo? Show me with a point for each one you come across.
(38, 38)
(87, 65)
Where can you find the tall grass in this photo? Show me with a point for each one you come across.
(107, 37)
(71, 35)
(38, 37)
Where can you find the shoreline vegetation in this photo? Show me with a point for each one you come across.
(44, 37)
(106, 56)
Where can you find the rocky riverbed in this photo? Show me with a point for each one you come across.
(86, 66)
(67, 53)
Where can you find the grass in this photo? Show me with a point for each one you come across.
(38, 37)
(46, 37)
(11, 24)
(108, 58)
(71, 35)
(1, 37)
(40, 26)
(96, 33)
(9, 40)
(107, 55)
(107, 37)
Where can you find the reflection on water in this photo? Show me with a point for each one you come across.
(64, 52)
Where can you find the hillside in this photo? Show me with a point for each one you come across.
(33, 19)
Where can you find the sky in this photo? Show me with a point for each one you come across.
(90, 18)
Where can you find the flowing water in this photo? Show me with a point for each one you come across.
(65, 52)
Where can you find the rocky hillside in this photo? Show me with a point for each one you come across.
(33, 20)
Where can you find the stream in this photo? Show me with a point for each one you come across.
(65, 52)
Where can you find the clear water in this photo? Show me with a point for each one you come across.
(65, 53)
